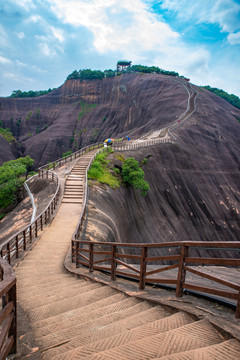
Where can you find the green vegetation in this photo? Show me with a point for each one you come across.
(12, 176)
(151, 69)
(100, 171)
(67, 153)
(133, 175)
(232, 99)
(29, 115)
(86, 74)
(30, 93)
(85, 109)
(6, 133)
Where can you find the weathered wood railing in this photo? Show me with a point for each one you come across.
(139, 262)
(54, 164)
(8, 313)
(126, 145)
(18, 243)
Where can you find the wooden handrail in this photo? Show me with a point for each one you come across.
(8, 314)
(111, 257)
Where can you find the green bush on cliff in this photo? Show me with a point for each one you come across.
(12, 176)
(100, 171)
(6, 133)
(133, 175)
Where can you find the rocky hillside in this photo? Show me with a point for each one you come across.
(194, 181)
(79, 113)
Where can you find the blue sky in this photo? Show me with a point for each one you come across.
(42, 41)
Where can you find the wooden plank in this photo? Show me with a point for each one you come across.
(128, 266)
(125, 273)
(7, 347)
(101, 261)
(165, 268)
(5, 328)
(212, 261)
(6, 311)
(96, 267)
(208, 290)
(102, 252)
(161, 281)
(205, 245)
(213, 278)
(128, 256)
(84, 257)
(163, 258)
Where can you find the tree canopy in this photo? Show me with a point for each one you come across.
(12, 177)
(232, 99)
(30, 93)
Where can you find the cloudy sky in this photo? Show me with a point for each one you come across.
(42, 41)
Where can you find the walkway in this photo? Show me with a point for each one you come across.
(77, 319)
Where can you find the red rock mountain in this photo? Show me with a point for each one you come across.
(194, 182)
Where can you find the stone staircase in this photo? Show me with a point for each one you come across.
(72, 318)
(73, 191)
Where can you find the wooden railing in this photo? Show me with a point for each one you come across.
(54, 164)
(8, 313)
(140, 262)
(80, 223)
(126, 145)
(18, 243)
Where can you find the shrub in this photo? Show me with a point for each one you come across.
(133, 175)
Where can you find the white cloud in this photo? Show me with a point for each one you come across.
(225, 13)
(116, 25)
(21, 35)
(47, 50)
(234, 38)
(26, 4)
(4, 60)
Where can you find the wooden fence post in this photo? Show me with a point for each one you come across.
(181, 271)
(24, 240)
(9, 253)
(113, 263)
(238, 305)
(41, 222)
(143, 268)
(30, 233)
(12, 297)
(17, 250)
(36, 229)
(90, 257)
(77, 249)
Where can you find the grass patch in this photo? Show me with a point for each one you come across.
(6, 133)
(100, 171)
(85, 109)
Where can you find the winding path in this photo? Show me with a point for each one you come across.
(77, 319)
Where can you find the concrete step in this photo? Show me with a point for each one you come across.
(94, 308)
(118, 327)
(227, 350)
(69, 303)
(61, 336)
(191, 336)
(165, 323)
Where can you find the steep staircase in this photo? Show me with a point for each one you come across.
(78, 319)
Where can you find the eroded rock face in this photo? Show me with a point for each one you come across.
(194, 185)
(79, 113)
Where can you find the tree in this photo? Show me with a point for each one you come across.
(12, 176)
(133, 175)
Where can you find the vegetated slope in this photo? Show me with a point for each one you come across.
(194, 185)
(82, 112)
